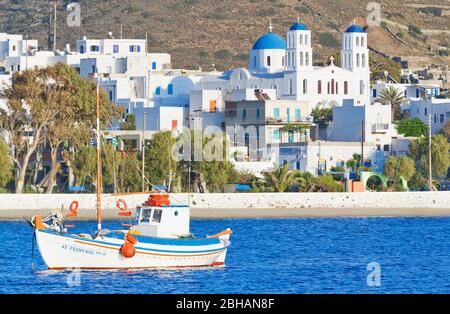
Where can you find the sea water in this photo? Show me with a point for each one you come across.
(336, 255)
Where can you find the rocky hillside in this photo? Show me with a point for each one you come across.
(203, 32)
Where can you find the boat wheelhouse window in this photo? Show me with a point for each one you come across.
(157, 215)
(146, 215)
(137, 215)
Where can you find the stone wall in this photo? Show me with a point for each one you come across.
(441, 200)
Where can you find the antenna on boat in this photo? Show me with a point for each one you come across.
(99, 169)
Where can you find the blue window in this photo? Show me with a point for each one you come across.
(95, 48)
(258, 113)
(297, 165)
(374, 93)
(153, 65)
(244, 114)
(81, 49)
(135, 48)
(276, 112)
(291, 136)
(288, 114)
(277, 135)
(298, 114)
(111, 95)
(417, 93)
(115, 48)
(170, 89)
(158, 91)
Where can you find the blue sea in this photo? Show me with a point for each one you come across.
(404, 255)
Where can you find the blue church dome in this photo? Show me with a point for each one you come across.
(270, 41)
(297, 26)
(355, 29)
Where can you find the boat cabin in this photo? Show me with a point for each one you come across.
(162, 221)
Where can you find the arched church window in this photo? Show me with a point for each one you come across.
(307, 59)
(319, 87)
(301, 39)
(357, 60)
(291, 86)
(305, 86)
(362, 41)
(328, 88)
(254, 62)
(306, 39)
(337, 88)
(357, 41)
(346, 88)
(361, 87)
(282, 61)
(363, 60)
(332, 86)
(268, 61)
(301, 58)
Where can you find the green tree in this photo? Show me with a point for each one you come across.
(418, 151)
(322, 116)
(6, 165)
(412, 127)
(379, 65)
(281, 178)
(77, 112)
(31, 105)
(398, 168)
(84, 165)
(325, 183)
(214, 167)
(55, 103)
(130, 123)
(395, 98)
(131, 173)
(160, 167)
(446, 130)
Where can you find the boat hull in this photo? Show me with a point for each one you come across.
(71, 252)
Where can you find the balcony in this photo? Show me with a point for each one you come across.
(281, 121)
(380, 128)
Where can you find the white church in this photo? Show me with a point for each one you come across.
(284, 70)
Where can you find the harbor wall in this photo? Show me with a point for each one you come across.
(14, 206)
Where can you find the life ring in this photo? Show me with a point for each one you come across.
(73, 209)
(122, 205)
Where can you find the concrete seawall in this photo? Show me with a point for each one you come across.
(15, 206)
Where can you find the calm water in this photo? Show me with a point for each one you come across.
(267, 256)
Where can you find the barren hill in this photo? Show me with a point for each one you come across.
(203, 32)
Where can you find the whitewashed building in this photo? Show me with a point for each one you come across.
(286, 67)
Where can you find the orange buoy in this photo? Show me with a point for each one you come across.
(73, 209)
(127, 250)
(121, 205)
(130, 239)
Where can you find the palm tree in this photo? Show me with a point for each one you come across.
(395, 98)
(281, 178)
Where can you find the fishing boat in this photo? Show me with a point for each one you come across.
(159, 237)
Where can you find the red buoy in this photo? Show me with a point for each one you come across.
(130, 239)
(127, 250)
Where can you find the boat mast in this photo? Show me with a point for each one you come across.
(99, 169)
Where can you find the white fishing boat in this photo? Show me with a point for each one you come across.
(159, 237)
